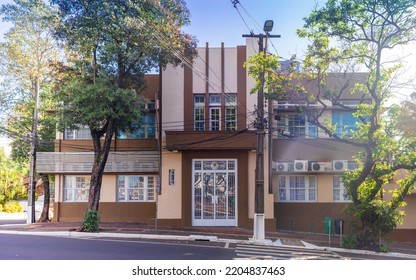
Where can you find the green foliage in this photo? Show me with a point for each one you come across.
(13, 207)
(350, 241)
(91, 221)
(11, 180)
(27, 56)
(383, 249)
(93, 105)
(349, 36)
(111, 45)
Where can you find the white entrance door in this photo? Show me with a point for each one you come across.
(214, 193)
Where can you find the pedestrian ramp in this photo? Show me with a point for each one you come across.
(253, 251)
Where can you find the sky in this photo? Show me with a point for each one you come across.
(217, 21)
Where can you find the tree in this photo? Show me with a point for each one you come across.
(112, 44)
(406, 118)
(11, 180)
(26, 57)
(355, 35)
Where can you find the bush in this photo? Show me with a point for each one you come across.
(350, 241)
(91, 221)
(13, 207)
(1, 208)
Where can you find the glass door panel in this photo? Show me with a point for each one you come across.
(221, 195)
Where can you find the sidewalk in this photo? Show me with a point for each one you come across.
(220, 234)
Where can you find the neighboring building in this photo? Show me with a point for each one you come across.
(130, 176)
(307, 165)
(193, 162)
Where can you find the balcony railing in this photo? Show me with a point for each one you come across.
(126, 162)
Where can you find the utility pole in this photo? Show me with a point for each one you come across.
(259, 219)
(32, 169)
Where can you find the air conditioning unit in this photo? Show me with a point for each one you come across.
(340, 165)
(282, 166)
(317, 166)
(300, 165)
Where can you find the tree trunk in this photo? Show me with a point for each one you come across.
(100, 159)
(44, 217)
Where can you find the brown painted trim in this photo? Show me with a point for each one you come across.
(402, 235)
(188, 99)
(222, 68)
(122, 145)
(309, 217)
(242, 176)
(207, 112)
(143, 212)
(211, 140)
(222, 87)
(207, 67)
(241, 88)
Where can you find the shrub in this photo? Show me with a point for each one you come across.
(1, 208)
(350, 241)
(13, 207)
(91, 221)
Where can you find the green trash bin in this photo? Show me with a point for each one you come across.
(329, 224)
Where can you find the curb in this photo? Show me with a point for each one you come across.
(211, 238)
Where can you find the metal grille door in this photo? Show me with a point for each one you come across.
(214, 193)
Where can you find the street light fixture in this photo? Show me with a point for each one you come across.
(259, 218)
(268, 26)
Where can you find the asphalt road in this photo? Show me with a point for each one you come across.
(29, 247)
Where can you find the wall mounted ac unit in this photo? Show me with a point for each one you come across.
(317, 166)
(300, 165)
(340, 165)
(282, 166)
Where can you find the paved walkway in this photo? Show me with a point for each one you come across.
(226, 234)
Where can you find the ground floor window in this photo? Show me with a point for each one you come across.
(135, 188)
(76, 188)
(297, 188)
(339, 192)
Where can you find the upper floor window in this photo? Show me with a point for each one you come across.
(217, 105)
(345, 123)
(294, 125)
(231, 112)
(76, 134)
(214, 118)
(147, 129)
(199, 112)
(215, 100)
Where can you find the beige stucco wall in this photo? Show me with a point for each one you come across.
(214, 74)
(170, 201)
(324, 190)
(230, 70)
(268, 198)
(410, 210)
(108, 189)
(173, 78)
(252, 48)
(199, 73)
(409, 221)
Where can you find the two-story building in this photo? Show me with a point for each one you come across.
(193, 162)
